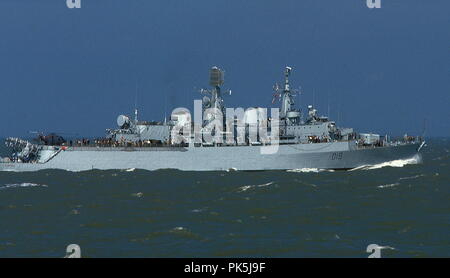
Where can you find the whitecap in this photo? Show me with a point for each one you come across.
(24, 184)
(74, 212)
(139, 194)
(305, 170)
(388, 185)
(232, 169)
(385, 247)
(247, 187)
(412, 177)
(265, 184)
(198, 210)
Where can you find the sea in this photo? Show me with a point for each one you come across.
(401, 206)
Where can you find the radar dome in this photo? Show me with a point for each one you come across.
(123, 121)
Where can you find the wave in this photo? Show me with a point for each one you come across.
(247, 187)
(363, 167)
(388, 185)
(232, 169)
(24, 184)
(412, 177)
(138, 195)
(394, 163)
(308, 170)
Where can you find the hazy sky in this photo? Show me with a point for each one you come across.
(74, 70)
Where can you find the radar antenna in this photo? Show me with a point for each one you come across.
(216, 81)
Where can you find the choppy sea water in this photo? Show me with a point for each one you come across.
(168, 213)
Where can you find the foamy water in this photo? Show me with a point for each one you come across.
(308, 170)
(394, 163)
(412, 177)
(24, 184)
(388, 185)
(247, 187)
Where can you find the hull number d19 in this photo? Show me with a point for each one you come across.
(336, 156)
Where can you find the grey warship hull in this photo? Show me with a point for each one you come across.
(216, 138)
(335, 155)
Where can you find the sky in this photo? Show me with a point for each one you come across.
(75, 70)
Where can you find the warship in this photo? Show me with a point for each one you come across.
(216, 139)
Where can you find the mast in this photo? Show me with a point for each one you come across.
(135, 105)
(288, 111)
(216, 80)
(287, 101)
(215, 99)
